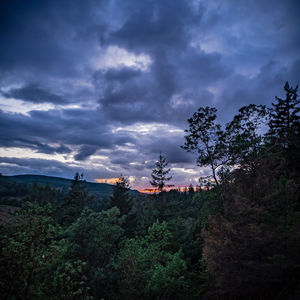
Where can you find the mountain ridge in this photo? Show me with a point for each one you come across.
(104, 189)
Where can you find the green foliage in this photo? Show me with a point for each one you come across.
(149, 270)
(124, 202)
(168, 276)
(211, 205)
(74, 202)
(70, 282)
(238, 231)
(41, 194)
(120, 197)
(249, 226)
(93, 238)
(11, 193)
(30, 245)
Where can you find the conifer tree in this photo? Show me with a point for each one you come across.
(160, 174)
(283, 137)
(76, 199)
(284, 119)
(120, 197)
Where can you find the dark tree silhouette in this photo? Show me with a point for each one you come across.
(284, 118)
(207, 139)
(160, 174)
(120, 197)
(76, 199)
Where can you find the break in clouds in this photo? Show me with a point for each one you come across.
(102, 87)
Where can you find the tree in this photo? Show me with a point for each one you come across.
(160, 174)
(41, 194)
(30, 245)
(120, 197)
(207, 139)
(93, 239)
(284, 118)
(255, 242)
(244, 135)
(283, 137)
(191, 191)
(148, 269)
(70, 283)
(76, 199)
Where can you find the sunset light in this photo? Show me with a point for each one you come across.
(107, 180)
(150, 149)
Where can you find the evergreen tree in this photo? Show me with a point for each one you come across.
(120, 197)
(76, 199)
(160, 174)
(124, 202)
(283, 138)
(41, 194)
(284, 119)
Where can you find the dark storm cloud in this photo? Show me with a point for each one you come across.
(122, 74)
(85, 151)
(171, 149)
(70, 127)
(219, 53)
(12, 166)
(261, 89)
(45, 35)
(163, 31)
(44, 148)
(34, 93)
(153, 25)
(147, 149)
(38, 164)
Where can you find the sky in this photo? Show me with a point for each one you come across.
(103, 86)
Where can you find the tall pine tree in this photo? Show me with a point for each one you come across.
(284, 119)
(160, 174)
(283, 136)
(120, 197)
(76, 199)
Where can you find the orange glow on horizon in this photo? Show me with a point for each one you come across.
(145, 190)
(167, 189)
(148, 190)
(106, 180)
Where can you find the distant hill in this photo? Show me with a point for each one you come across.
(97, 189)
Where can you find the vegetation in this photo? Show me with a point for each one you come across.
(237, 237)
(160, 174)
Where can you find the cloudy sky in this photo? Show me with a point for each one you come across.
(103, 86)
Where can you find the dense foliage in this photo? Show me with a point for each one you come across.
(234, 237)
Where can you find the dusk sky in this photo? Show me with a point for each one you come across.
(102, 87)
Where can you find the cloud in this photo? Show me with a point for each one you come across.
(116, 57)
(34, 93)
(67, 128)
(85, 151)
(109, 92)
(121, 74)
(35, 166)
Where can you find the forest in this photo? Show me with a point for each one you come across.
(235, 236)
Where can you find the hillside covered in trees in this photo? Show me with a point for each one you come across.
(236, 237)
